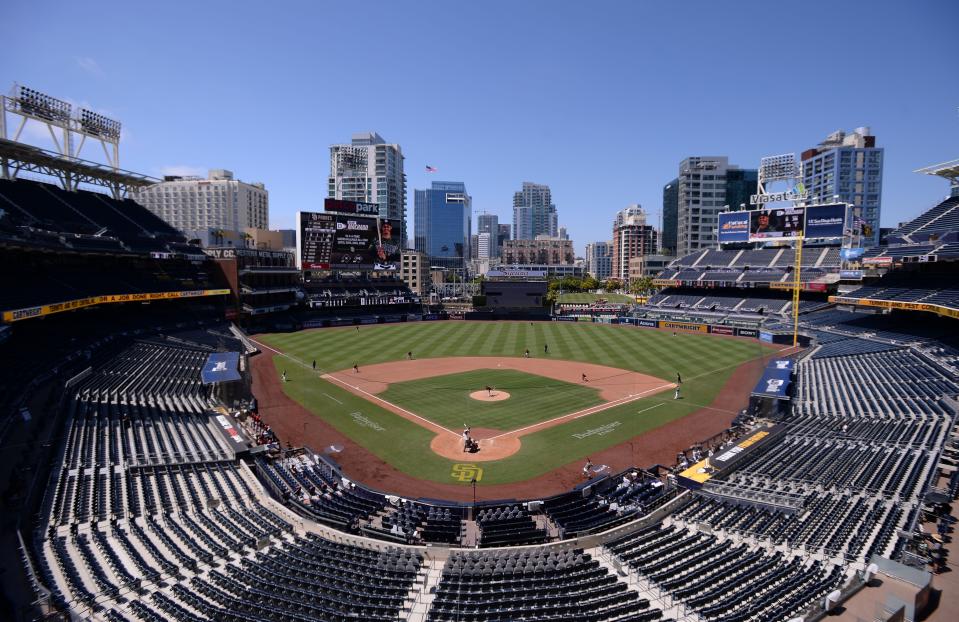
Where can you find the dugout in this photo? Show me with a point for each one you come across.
(771, 397)
(727, 459)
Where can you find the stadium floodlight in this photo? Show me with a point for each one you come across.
(42, 106)
(97, 125)
(779, 168)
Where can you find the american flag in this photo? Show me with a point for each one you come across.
(430, 169)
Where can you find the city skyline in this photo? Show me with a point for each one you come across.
(601, 142)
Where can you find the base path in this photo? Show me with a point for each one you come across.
(295, 424)
(616, 386)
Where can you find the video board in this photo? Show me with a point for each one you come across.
(826, 221)
(333, 241)
(781, 223)
(733, 227)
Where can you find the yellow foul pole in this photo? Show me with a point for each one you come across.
(797, 285)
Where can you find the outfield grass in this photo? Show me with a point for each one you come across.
(704, 361)
(445, 399)
(591, 298)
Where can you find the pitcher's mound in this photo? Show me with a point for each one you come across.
(485, 396)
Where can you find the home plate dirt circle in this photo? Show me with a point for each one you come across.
(492, 446)
(486, 396)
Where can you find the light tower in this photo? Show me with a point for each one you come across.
(69, 129)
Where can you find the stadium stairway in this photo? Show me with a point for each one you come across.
(423, 592)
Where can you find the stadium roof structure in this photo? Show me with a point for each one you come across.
(949, 170)
(16, 157)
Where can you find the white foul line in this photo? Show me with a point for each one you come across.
(587, 411)
(639, 412)
(390, 404)
(332, 398)
(359, 390)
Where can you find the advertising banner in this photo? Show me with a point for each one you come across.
(850, 275)
(565, 318)
(767, 337)
(825, 221)
(747, 332)
(699, 328)
(851, 254)
(647, 323)
(722, 330)
(70, 305)
(878, 261)
(517, 273)
(784, 223)
(817, 287)
(733, 227)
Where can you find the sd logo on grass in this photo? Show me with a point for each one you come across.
(466, 472)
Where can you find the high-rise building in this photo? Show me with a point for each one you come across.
(632, 237)
(370, 170)
(196, 206)
(741, 184)
(504, 235)
(599, 260)
(489, 223)
(534, 213)
(702, 195)
(474, 246)
(484, 245)
(415, 271)
(442, 224)
(848, 168)
(670, 216)
(544, 250)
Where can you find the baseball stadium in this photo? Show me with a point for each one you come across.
(235, 433)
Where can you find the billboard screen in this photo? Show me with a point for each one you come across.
(733, 227)
(334, 241)
(851, 254)
(782, 223)
(387, 256)
(825, 221)
(355, 243)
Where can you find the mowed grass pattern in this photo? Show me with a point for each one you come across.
(445, 399)
(705, 362)
(654, 352)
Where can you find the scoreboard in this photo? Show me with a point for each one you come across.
(335, 241)
(315, 240)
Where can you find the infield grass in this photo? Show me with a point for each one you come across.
(445, 399)
(705, 362)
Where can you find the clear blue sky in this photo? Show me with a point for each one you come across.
(600, 100)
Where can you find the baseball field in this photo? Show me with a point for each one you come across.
(582, 389)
